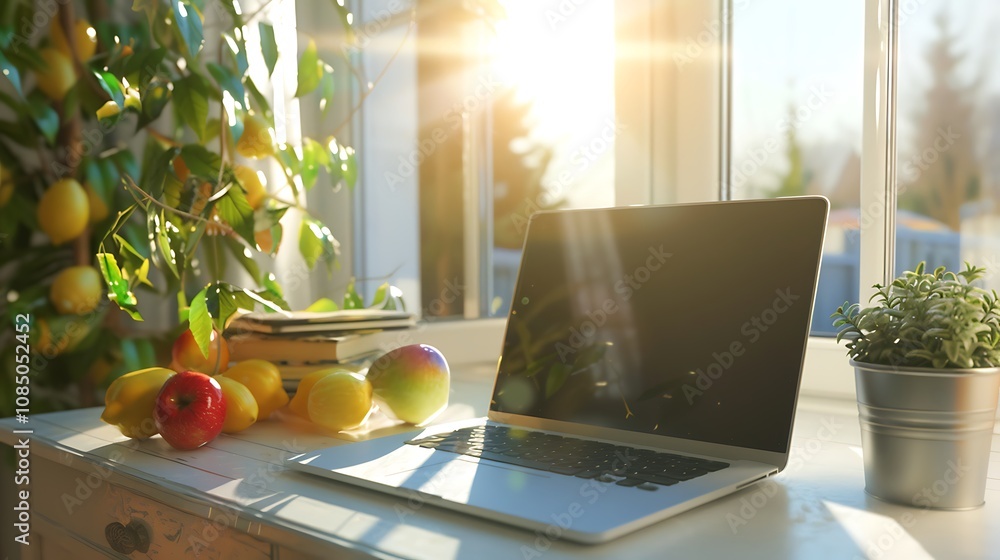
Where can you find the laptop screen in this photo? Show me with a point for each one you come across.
(685, 321)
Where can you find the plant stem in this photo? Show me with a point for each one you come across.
(163, 137)
(133, 187)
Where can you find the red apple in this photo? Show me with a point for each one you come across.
(190, 410)
(187, 355)
(411, 383)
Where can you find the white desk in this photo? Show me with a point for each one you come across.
(235, 499)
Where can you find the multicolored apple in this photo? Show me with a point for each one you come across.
(411, 383)
(190, 410)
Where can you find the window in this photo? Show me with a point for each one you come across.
(518, 118)
(796, 123)
(948, 137)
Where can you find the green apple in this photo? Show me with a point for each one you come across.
(411, 383)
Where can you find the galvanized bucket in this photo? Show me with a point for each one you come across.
(926, 433)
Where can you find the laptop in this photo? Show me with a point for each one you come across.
(651, 364)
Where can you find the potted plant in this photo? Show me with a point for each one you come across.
(925, 357)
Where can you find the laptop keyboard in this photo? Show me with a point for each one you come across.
(625, 466)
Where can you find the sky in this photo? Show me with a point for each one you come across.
(784, 50)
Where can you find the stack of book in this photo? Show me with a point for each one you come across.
(301, 342)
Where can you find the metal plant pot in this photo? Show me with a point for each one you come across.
(926, 433)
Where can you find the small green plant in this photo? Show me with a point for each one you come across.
(938, 320)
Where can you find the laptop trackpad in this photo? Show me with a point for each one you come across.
(456, 477)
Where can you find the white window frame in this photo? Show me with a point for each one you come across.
(676, 141)
(673, 148)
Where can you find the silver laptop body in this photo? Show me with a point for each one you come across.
(646, 332)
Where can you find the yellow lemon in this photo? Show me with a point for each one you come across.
(63, 211)
(341, 400)
(108, 110)
(253, 182)
(257, 140)
(96, 205)
(132, 99)
(84, 38)
(76, 290)
(58, 76)
(264, 381)
(129, 401)
(265, 239)
(241, 407)
(300, 402)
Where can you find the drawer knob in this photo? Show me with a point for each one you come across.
(140, 534)
(120, 538)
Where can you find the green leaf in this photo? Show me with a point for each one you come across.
(154, 98)
(159, 229)
(268, 46)
(263, 107)
(234, 98)
(154, 174)
(270, 302)
(315, 242)
(10, 71)
(118, 288)
(271, 285)
(200, 322)
(188, 23)
(112, 87)
(238, 50)
(314, 158)
(556, 378)
(327, 90)
(201, 161)
(44, 117)
(310, 70)
(344, 15)
(234, 209)
(352, 300)
(221, 304)
(130, 255)
(343, 164)
(323, 305)
(228, 81)
(191, 101)
(248, 263)
(388, 297)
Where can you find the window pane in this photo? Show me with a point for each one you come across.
(553, 122)
(948, 136)
(796, 122)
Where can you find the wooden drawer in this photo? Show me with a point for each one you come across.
(64, 499)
